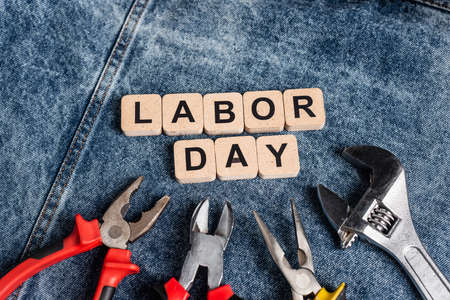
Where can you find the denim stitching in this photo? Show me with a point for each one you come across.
(77, 134)
(436, 4)
(31, 241)
(78, 151)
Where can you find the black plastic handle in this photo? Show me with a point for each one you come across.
(157, 292)
(107, 293)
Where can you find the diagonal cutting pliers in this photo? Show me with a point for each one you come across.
(303, 282)
(114, 233)
(206, 251)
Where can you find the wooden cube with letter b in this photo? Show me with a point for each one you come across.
(194, 161)
(223, 113)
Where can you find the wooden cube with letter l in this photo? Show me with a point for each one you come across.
(141, 115)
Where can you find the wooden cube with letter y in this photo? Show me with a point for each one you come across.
(278, 156)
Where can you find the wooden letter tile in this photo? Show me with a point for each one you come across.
(223, 113)
(263, 111)
(236, 158)
(277, 156)
(194, 161)
(141, 115)
(182, 114)
(304, 109)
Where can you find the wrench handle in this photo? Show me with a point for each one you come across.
(430, 282)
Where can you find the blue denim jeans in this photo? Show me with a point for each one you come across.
(383, 67)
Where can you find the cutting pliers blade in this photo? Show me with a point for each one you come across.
(206, 251)
(115, 232)
(303, 282)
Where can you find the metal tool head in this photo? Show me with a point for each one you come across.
(385, 169)
(207, 249)
(199, 221)
(115, 231)
(384, 166)
(302, 281)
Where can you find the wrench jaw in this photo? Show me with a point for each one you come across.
(382, 216)
(374, 210)
(337, 211)
(385, 167)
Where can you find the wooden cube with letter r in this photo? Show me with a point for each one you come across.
(304, 109)
(194, 161)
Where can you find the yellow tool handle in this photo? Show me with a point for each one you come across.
(338, 294)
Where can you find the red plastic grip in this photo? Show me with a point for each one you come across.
(175, 291)
(223, 292)
(84, 237)
(116, 266)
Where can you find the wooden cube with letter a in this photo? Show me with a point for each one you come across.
(141, 115)
(277, 156)
(182, 114)
(194, 161)
(236, 158)
(304, 109)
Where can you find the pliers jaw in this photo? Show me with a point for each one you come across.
(302, 281)
(207, 249)
(115, 231)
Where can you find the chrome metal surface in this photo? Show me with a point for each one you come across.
(382, 216)
(148, 219)
(207, 249)
(115, 231)
(302, 281)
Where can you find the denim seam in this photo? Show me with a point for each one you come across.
(87, 123)
(435, 4)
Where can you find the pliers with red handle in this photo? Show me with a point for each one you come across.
(114, 233)
(206, 251)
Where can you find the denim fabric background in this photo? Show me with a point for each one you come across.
(383, 67)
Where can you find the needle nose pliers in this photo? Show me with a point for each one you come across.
(303, 282)
(206, 251)
(114, 233)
